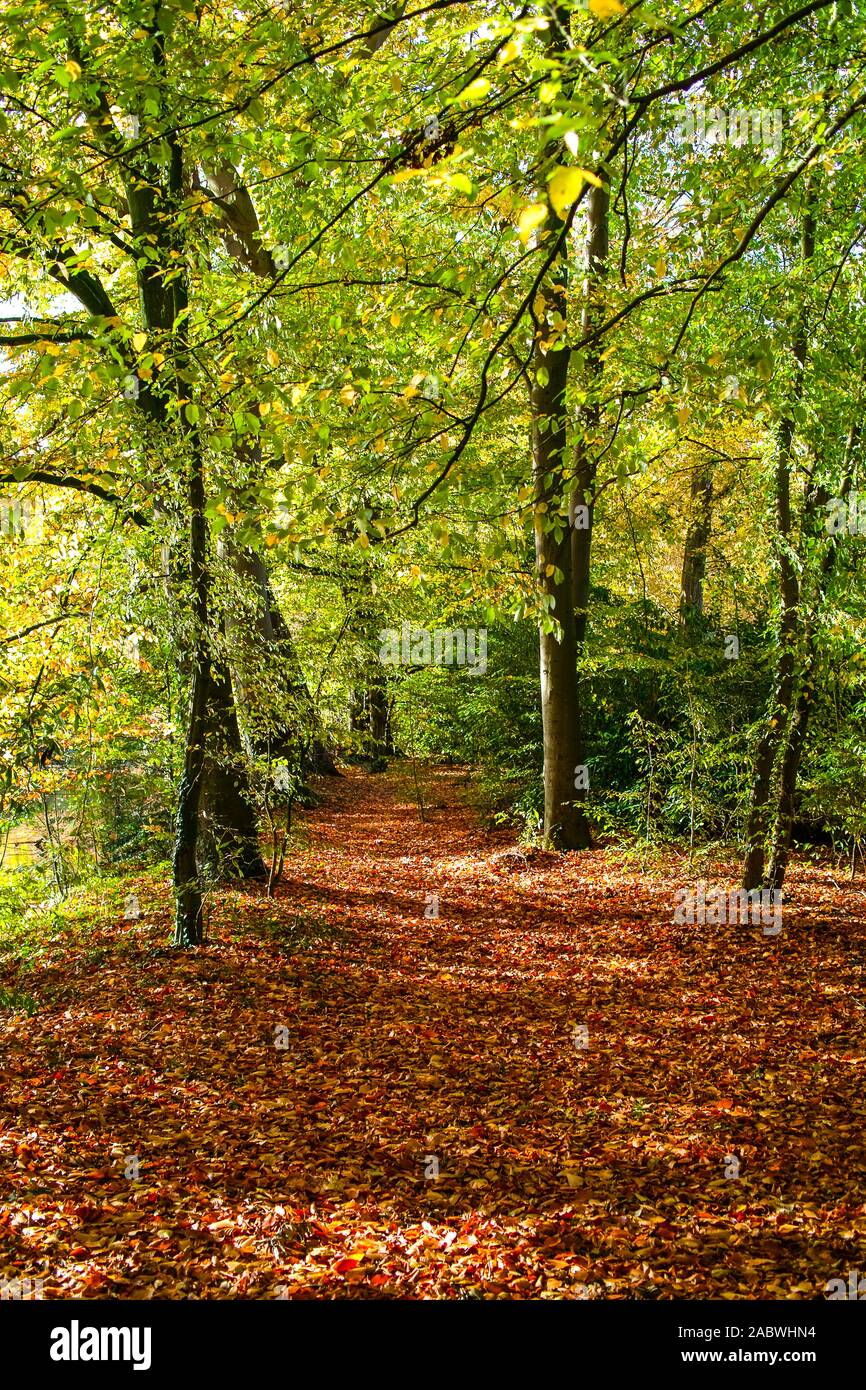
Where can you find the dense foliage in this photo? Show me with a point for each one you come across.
(466, 319)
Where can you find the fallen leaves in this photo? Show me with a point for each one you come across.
(559, 1172)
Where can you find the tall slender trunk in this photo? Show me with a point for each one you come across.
(582, 509)
(777, 716)
(799, 724)
(582, 514)
(695, 548)
(189, 926)
(369, 712)
(780, 710)
(565, 824)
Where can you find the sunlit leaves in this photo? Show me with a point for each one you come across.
(530, 219)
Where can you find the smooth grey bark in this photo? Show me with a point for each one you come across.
(565, 823)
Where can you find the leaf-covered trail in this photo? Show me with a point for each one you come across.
(411, 1041)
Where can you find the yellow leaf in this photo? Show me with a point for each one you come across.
(510, 52)
(605, 8)
(530, 217)
(395, 320)
(564, 189)
(364, 540)
(273, 358)
(476, 90)
(73, 69)
(138, 341)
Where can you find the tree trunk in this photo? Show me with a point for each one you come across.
(583, 496)
(582, 512)
(695, 549)
(565, 825)
(277, 707)
(779, 713)
(155, 198)
(798, 728)
(189, 925)
(228, 838)
(788, 785)
(370, 708)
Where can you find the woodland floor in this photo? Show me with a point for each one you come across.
(563, 1172)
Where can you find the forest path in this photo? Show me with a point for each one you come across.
(585, 1075)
